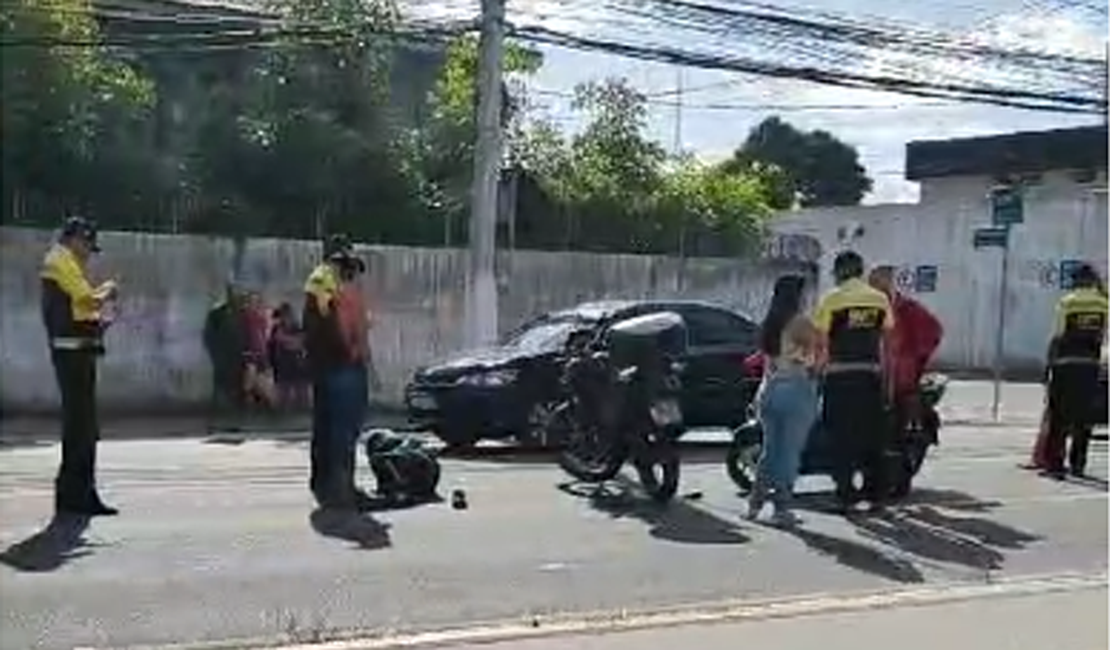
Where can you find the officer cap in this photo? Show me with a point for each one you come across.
(81, 228)
(338, 247)
(847, 264)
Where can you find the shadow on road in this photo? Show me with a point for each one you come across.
(677, 521)
(62, 540)
(935, 525)
(364, 531)
(860, 557)
(1096, 483)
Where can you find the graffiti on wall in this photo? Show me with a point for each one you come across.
(792, 247)
(1051, 275)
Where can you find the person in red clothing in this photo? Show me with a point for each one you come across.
(917, 335)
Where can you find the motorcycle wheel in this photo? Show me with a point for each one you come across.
(659, 472)
(740, 462)
(588, 456)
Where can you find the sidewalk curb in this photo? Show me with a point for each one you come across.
(711, 613)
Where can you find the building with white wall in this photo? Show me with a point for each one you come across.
(1063, 174)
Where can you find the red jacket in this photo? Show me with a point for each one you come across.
(917, 335)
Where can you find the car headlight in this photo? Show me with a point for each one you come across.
(489, 379)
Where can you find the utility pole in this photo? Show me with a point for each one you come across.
(678, 90)
(481, 278)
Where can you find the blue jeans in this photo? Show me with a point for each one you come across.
(346, 392)
(787, 411)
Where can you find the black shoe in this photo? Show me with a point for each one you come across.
(1078, 472)
(96, 508)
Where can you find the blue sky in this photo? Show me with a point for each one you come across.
(879, 132)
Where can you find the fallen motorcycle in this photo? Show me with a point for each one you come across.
(906, 454)
(621, 404)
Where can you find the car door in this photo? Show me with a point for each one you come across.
(716, 391)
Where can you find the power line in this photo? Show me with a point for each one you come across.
(269, 35)
(1056, 102)
(759, 106)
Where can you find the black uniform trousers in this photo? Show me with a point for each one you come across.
(75, 372)
(1071, 397)
(321, 476)
(856, 422)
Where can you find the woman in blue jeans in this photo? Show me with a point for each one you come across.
(787, 398)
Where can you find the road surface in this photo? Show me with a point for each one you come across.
(220, 542)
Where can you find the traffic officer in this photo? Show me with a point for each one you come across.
(855, 318)
(326, 351)
(1073, 363)
(71, 312)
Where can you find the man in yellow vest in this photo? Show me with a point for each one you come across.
(856, 320)
(71, 312)
(1073, 364)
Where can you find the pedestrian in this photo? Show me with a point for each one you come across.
(787, 398)
(1073, 361)
(856, 321)
(286, 352)
(916, 336)
(256, 324)
(71, 311)
(335, 376)
(225, 342)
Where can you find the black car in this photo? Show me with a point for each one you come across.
(509, 390)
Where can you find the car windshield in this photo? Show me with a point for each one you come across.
(543, 335)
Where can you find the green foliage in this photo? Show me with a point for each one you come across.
(304, 138)
(617, 190)
(823, 171)
(64, 107)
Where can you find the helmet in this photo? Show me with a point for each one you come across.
(338, 247)
(81, 228)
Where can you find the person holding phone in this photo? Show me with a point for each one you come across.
(74, 318)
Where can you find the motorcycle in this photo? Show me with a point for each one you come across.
(906, 454)
(622, 404)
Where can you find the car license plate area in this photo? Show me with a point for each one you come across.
(665, 412)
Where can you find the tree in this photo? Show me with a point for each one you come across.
(444, 147)
(63, 107)
(616, 189)
(823, 170)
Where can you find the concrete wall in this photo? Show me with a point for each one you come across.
(156, 360)
(1064, 220)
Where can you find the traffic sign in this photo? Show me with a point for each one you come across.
(991, 237)
(1007, 205)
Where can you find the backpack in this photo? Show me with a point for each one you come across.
(403, 466)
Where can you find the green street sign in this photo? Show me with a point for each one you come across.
(1007, 206)
(991, 237)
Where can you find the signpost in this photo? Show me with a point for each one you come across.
(1007, 209)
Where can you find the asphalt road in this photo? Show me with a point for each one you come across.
(220, 542)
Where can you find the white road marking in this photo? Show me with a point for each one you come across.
(706, 613)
